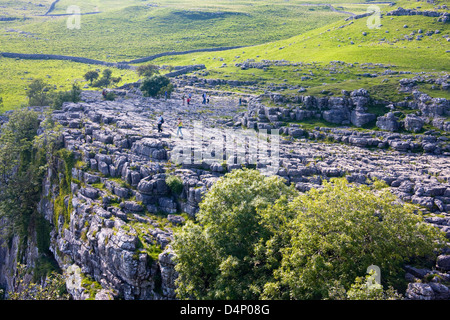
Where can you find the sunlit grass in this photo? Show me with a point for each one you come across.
(134, 29)
(385, 45)
(17, 74)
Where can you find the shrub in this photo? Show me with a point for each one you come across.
(147, 70)
(364, 289)
(156, 85)
(342, 229)
(175, 184)
(38, 93)
(54, 287)
(73, 95)
(110, 96)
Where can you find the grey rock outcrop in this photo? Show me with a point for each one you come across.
(413, 123)
(388, 122)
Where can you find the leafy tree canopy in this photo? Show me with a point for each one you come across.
(257, 238)
(147, 70)
(91, 76)
(156, 85)
(38, 93)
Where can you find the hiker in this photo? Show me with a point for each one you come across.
(188, 101)
(207, 99)
(240, 101)
(104, 93)
(184, 98)
(160, 123)
(165, 94)
(204, 98)
(180, 126)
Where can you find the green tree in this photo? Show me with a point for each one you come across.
(342, 229)
(226, 255)
(147, 70)
(21, 172)
(38, 93)
(105, 80)
(74, 95)
(256, 238)
(53, 288)
(156, 85)
(102, 83)
(91, 76)
(107, 73)
(116, 80)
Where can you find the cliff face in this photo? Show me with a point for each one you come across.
(101, 249)
(9, 257)
(103, 236)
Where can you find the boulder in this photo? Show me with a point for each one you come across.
(167, 205)
(336, 115)
(420, 291)
(174, 219)
(413, 123)
(132, 206)
(150, 148)
(360, 119)
(388, 122)
(90, 193)
(441, 291)
(90, 178)
(168, 273)
(296, 132)
(103, 168)
(154, 185)
(443, 262)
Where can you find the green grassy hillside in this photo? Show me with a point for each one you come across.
(17, 74)
(346, 41)
(132, 29)
(298, 31)
(395, 45)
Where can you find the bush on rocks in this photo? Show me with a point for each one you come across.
(156, 85)
(259, 239)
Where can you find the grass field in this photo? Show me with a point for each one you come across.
(132, 29)
(17, 74)
(346, 42)
(352, 43)
(297, 31)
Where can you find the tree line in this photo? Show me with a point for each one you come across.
(40, 93)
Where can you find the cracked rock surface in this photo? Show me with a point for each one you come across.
(123, 212)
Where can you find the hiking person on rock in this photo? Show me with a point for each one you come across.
(204, 98)
(180, 126)
(160, 123)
